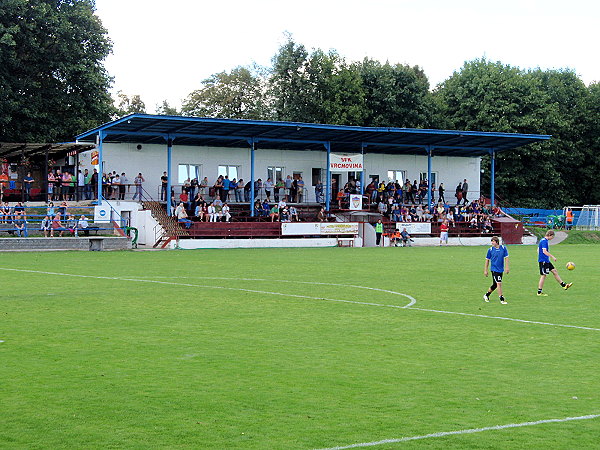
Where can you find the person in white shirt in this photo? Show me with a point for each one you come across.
(212, 213)
(225, 212)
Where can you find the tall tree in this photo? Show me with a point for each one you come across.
(130, 104)
(239, 94)
(166, 109)
(53, 84)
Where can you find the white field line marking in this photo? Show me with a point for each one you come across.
(469, 431)
(139, 280)
(413, 301)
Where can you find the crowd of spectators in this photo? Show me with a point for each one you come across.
(56, 220)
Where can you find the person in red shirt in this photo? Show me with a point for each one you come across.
(444, 232)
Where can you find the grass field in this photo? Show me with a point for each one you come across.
(252, 349)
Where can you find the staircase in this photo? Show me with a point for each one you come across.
(172, 229)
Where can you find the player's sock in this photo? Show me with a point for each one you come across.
(502, 299)
(539, 291)
(563, 284)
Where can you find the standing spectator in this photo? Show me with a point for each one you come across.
(294, 191)
(124, 184)
(378, 232)
(116, 184)
(277, 189)
(20, 224)
(465, 190)
(441, 193)
(226, 187)
(138, 181)
(50, 191)
(458, 193)
(3, 184)
(300, 189)
(87, 188)
(64, 186)
(319, 191)
(247, 188)
(268, 189)
(80, 185)
(239, 191)
(193, 187)
(203, 186)
(164, 180)
(288, 188)
(27, 182)
(94, 183)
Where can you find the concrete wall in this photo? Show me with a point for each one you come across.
(151, 160)
(58, 243)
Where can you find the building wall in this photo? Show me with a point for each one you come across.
(151, 160)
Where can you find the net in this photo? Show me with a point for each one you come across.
(589, 218)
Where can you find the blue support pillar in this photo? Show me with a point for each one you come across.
(493, 178)
(169, 182)
(101, 136)
(252, 177)
(362, 173)
(328, 176)
(429, 148)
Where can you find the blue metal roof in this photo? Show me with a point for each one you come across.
(236, 133)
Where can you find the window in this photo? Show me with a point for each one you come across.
(423, 176)
(394, 175)
(353, 176)
(316, 176)
(275, 173)
(230, 171)
(186, 171)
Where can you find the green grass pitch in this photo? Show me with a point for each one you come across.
(248, 349)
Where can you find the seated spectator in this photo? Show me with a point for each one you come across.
(396, 215)
(57, 226)
(83, 224)
(473, 223)
(257, 208)
(211, 213)
(487, 225)
(282, 204)
(182, 216)
(201, 211)
(382, 208)
(395, 238)
(225, 212)
(419, 212)
(406, 239)
(321, 215)
(218, 211)
(20, 224)
(284, 216)
(72, 224)
(427, 216)
(294, 214)
(274, 213)
(266, 209)
(46, 225)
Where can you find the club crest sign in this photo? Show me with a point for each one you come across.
(355, 202)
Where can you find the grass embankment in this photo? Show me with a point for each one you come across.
(574, 236)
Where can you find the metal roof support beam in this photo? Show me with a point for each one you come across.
(328, 177)
(169, 182)
(362, 173)
(101, 136)
(252, 148)
(429, 154)
(493, 177)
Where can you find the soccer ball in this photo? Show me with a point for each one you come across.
(570, 265)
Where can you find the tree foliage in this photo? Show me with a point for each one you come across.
(130, 104)
(53, 84)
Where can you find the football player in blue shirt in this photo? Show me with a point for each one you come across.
(546, 266)
(498, 255)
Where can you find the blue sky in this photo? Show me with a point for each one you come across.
(163, 49)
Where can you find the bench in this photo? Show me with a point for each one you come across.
(345, 242)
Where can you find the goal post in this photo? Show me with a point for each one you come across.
(589, 218)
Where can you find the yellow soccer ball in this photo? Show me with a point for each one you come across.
(570, 265)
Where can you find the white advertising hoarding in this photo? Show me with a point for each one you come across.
(318, 228)
(345, 163)
(415, 227)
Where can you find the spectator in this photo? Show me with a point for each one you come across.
(83, 224)
(212, 213)
(294, 191)
(225, 212)
(239, 191)
(193, 188)
(321, 215)
(20, 224)
(257, 208)
(116, 187)
(138, 181)
(258, 185)
(382, 207)
(94, 184)
(300, 184)
(288, 188)
(247, 188)
(406, 239)
(27, 182)
(225, 190)
(268, 188)
(441, 191)
(50, 188)
(319, 192)
(274, 213)
(46, 225)
(277, 189)
(164, 181)
(123, 186)
(266, 209)
(465, 190)
(57, 226)
(203, 185)
(201, 210)
(294, 214)
(80, 185)
(72, 225)
(340, 198)
(284, 216)
(87, 186)
(378, 232)
(182, 216)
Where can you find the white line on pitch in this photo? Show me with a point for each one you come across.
(139, 280)
(469, 431)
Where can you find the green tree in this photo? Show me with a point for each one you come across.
(130, 105)
(53, 84)
(237, 95)
(395, 95)
(166, 109)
